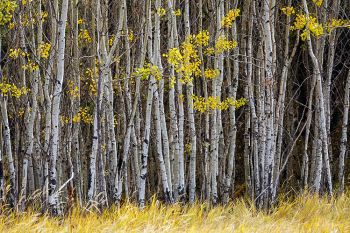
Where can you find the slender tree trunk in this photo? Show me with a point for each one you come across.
(322, 119)
(53, 195)
(148, 114)
(8, 144)
(233, 86)
(344, 136)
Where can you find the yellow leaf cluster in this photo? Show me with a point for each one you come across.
(315, 28)
(44, 50)
(172, 82)
(64, 120)
(289, 10)
(20, 112)
(80, 21)
(26, 21)
(307, 25)
(202, 104)
(7, 8)
(73, 90)
(44, 16)
(148, 70)
(11, 26)
(202, 38)
(31, 66)
(115, 120)
(318, 2)
(83, 115)
(14, 53)
(177, 12)
(111, 40)
(174, 57)
(211, 73)
(223, 44)
(336, 23)
(185, 59)
(230, 17)
(161, 12)
(131, 36)
(209, 51)
(84, 37)
(191, 62)
(8, 88)
(90, 80)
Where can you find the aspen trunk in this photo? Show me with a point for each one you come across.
(8, 146)
(149, 101)
(233, 86)
(344, 136)
(53, 195)
(322, 118)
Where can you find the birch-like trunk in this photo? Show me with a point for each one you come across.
(78, 183)
(148, 113)
(174, 132)
(131, 110)
(7, 143)
(29, 144)
(344, 136)
(191, 119)
(48, 102)
(57, 92)
(232, 86)
(322, 117)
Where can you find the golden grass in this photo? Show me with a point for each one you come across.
(306, 213)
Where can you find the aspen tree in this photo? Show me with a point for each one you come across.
(57, 92)
(7, 143)
(48, 99)
(146, 136)
(232, 86)
(77, 183)
(322, 117)
(192, 133)
(33, 113)
(163, 158)
(174, 132)
(344, 134)
(122, 100)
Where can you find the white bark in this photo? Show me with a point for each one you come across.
(233, 86)
(322, 119)
(344, 136)
(174, 132)
(149, 101)
(191, 119)
(8, 146)
(53, 195)
(29, 144)
(269, 104)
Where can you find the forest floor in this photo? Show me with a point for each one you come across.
(305, 214)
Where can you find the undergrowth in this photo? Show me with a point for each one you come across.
(306, 213)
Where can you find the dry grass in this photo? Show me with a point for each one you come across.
(305, 214)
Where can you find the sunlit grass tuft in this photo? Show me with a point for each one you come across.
(306, 213)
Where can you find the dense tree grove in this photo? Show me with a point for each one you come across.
(104, 101)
